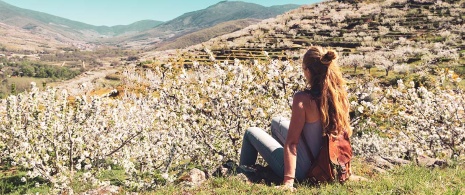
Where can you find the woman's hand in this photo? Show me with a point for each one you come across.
(287, 187)
(288, 184)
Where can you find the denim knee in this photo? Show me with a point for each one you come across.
(251, 130)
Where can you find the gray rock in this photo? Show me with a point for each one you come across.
(380, 162)
(242, 177)
(194, 178)
(227, 169)
(104, 190)
(357, 178)
(377, 169)
(397, 161)
(221, 172)
(430, 162)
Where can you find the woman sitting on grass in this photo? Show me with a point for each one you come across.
(322, 108)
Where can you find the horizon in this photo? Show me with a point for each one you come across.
(139, 9)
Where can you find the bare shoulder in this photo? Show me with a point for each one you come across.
(302, 96)
(304, 99)
(307, 103)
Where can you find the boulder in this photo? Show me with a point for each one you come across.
(430, 162)
(242, 177)
(377, 169)
(397, 161)
(380, 162)
(227, 169)
(193, 178)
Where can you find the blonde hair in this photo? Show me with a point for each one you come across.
(327, 88)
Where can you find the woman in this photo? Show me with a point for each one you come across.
(322, 108)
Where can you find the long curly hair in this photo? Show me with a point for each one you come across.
(327, 88)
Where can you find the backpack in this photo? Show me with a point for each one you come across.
(333, 161)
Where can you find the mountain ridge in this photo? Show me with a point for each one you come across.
(191, 22)
(140, 34)
(28, 19)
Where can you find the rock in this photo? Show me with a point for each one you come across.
(396, 161)
(380, 162)
(242, 177)
(221, 172)
(104, 190)
(430, 162)
(377, 169)
(194, 178)
(227, 169)
(357, 178)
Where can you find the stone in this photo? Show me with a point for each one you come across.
(104, 190)
(194, 178)
(397, 161)
(221, 172)
(357, 178)
(430, 162)
(242, 177)
(380, 162)
(227, 169)
(377, 169)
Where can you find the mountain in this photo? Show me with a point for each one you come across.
(146, 33)
(194, 21)
(38, 22)
(222, 12)
(139, 26)
(205, 34)
(13, 38)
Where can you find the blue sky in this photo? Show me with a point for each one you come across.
(115, 12)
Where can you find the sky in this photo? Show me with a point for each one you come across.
(122, 12)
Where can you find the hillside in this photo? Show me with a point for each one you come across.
(221, 12)
(139, 26)
(14, 38)
(348, 27)
(205, 34)
(205, 18)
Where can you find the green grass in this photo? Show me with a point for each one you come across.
(10, 183)
(22, 84)
(402, 180)
(409, 179)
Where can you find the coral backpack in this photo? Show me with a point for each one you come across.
(333, 161)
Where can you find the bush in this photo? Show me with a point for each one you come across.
(114, 77)
(46, 71)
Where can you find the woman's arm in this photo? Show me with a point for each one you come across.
(295, 129)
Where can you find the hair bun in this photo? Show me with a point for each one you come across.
(328, 57)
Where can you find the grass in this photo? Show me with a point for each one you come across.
(10, 182)
(410, 179)
(393, 76)
(22, 84)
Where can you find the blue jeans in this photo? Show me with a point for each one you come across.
(271, 148)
